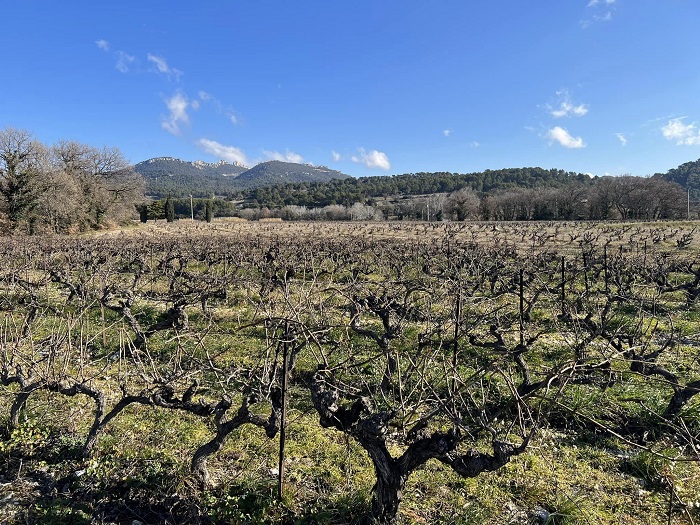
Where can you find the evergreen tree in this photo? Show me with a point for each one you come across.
(19, 174)
(143, 213)
(209, 210)
(169, 210)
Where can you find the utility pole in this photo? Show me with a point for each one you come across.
(688, 203)
(191, 208)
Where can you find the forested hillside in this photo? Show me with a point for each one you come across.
(351, 190)
(687, 175)
(168, 177)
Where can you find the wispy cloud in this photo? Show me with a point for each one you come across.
(560, 135)
(219, 107)
(336, 156)
(177, 106)
(102, 44)
(603, 12)
(227, 153)
(622, 139)
(287, 156)
(163, 67)
(475, 144)
(124, 61)
(372, 159)
(565, 107)
(684, 134)
(447, 132)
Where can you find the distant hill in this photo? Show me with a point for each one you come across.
(167, 176)
(178, 178)
(687, 175)
(277, 172)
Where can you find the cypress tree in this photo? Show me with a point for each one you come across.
(143, 213)
(209, 210)
(169, 210)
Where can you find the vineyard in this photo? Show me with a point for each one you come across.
(387, 373)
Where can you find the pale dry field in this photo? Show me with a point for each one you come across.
(560, 237)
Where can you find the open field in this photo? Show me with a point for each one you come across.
(414, 372)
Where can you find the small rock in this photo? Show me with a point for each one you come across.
(540, 515)
(274, 472)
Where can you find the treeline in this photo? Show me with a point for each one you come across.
(63, 188)
(350, 191)
(172, 209)
(606, 198)
(624, 197)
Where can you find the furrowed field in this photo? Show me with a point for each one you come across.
(381, 373)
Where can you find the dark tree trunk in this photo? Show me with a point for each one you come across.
(388, 493)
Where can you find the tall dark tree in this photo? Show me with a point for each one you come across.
(19, 174)
(209, 210)
(169, 210)
(143, 212)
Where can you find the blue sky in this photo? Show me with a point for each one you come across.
(365, 87)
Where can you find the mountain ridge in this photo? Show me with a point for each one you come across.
(170, 176)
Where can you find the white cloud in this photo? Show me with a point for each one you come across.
(373, 159)
(683, 134)
(622, 138)
(227, 153)
(566, 108)
(287, 156)
(447, 132)
(562, 136)
(594, 3)
(336, 156)
(102, 44)
(123, 61)
(163, 67)
(177, 105)
(474, 144)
